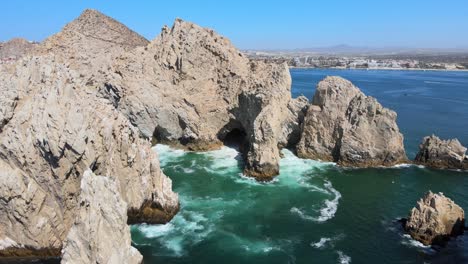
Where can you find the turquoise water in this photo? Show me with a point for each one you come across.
(316, 212)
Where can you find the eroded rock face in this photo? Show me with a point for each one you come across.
(16, 48)
(435, 219)
(100, 233)
(90, 43)
(345, 126)
(442, 154)
(190, 87)
(57, 129)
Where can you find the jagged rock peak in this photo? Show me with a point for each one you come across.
(442, 154)
(344, 125)
(435, 219)
(94, 24)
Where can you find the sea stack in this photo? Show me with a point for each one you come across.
(345, 126)
(435, 219)
(442, 154)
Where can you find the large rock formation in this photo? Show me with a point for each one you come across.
(191, 87)
(435, 219)
(100, 233)
(54, 125)
(345, 126)
(90, 43)
(442, 154)
(16, 48)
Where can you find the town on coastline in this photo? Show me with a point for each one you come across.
(397, 61)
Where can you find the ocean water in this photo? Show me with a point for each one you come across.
(316, 212)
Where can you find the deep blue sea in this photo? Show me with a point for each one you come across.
(317, 212)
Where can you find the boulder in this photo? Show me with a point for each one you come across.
(100, 233)
(435, 219)
(442, 154)
(345, 126)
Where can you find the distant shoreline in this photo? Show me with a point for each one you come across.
(382, 69)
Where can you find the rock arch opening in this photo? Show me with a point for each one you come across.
(234, 135)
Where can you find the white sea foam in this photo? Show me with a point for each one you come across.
(329, 209)
(187, 228)
(408, 241)
(301, 214)
(331, 206)
(151, 231)
(322, 243)
(343, 258)
(402, 165)
(166, 153)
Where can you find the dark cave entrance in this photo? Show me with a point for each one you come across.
(233, 135)
(235, 138)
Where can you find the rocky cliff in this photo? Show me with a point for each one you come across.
(345, 126)
(191, 87)
(100, 233)
(435, 219)
(54, 126)
(442, 154)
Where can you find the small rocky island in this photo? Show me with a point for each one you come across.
(442, 154)
(435, 219)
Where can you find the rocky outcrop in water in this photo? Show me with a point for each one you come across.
(54, 126)
(100, 233)
(442, 154)
(345, 126)
(435, 219)
(191, 87)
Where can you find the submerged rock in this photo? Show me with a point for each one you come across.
(442, 154)
(345, 126)
(435, 219)
(100, 233)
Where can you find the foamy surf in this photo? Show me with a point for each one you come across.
(166, 153)
(343, 258)
(329, 209)
(321, 243)
(186, 229)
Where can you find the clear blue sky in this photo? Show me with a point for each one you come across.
(263, 24)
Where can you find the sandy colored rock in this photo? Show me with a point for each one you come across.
(442, 154)
(190, 87)
(435, 219)
(58, 128)
(89, 44)
(100, 233)
(345, 126)
(16, 48)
